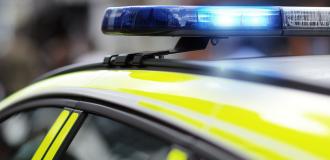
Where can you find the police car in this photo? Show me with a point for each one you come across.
(142, 106)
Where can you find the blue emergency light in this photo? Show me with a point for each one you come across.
(217, 21)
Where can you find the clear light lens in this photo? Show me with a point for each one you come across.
(306, 21)
(306, 17)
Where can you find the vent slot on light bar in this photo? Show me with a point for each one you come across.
(221, 21)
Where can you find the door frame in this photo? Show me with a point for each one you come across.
(125, 115)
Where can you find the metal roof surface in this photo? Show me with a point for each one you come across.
(313, 70)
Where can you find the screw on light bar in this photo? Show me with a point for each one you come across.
(211, 21)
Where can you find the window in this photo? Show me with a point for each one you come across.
(21, 134)
(104, 139)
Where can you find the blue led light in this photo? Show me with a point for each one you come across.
(226, 18)
(240, 17)
(192, 20)
(255, 21)
(259, 18)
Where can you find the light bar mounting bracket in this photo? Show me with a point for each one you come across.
(184, 44)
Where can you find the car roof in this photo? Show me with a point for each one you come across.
(312, 69)
(247, 117)
(287, 71)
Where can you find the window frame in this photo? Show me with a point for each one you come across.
(124, 115)
(59, 123)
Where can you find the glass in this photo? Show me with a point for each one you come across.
(104, 139)
(21, 134)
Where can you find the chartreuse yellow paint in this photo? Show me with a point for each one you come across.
(77, 79)
(164, 110)
(314, 144)
(177, 154)
(161, 76)
(243, 144)
(61, 136)
(241, 118)
(157, 85)
(250, 148)
(190, 103)
(51, 135)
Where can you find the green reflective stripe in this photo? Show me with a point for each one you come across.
(61, 136)
(51, 135)
(177, 154)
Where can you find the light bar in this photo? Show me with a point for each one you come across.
(211, 21)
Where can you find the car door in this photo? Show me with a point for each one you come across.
(37, 128)
(90, 129)
(101, 137)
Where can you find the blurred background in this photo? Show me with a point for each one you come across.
(37, 36)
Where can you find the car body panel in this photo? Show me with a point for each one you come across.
(256, 120)
(312, 69)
